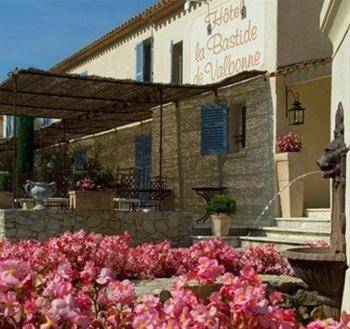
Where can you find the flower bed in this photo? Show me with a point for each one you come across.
(73, 282)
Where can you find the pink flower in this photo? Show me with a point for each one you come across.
(104, 276)
(208, 269)
(9, 305)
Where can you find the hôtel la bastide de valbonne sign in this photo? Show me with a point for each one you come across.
(235, 44)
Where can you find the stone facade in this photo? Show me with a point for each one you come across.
(248, 173)
(143, 227)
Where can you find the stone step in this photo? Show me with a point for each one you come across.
(293, 233)
(280, 244)
(304, 223)
(318, 213)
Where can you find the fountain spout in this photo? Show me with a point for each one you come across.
(333, 165)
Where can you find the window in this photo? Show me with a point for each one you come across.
(223, 129)
(177, 63)
(237, 127)
(144, 60)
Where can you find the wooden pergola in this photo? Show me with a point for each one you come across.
(87, 105)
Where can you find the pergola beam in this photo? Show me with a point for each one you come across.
(60, 95)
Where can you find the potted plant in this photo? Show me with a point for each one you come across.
(220, 207)
(289, 165)
(90, 191)
(6, 196)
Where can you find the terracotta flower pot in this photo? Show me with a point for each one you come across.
(91, 200)
(220, 224)
(289, 166)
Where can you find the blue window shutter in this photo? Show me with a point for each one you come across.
(143, 159)
(152, 58)
(171, 60)
(139, 62)
(214, 137)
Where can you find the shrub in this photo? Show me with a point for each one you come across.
(222, 204)
(5, 181)
(289, 143)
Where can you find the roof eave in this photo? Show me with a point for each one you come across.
(147, 17)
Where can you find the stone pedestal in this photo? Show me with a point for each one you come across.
(289, 166)
(91, 200)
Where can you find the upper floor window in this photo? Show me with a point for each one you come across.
(177, 63)
(144, 60)
(237, 127)
(223, 129)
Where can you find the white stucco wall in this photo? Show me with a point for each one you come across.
(298, 35)
(119, 60)
(335, 21)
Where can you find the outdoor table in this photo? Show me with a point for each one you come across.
(206, 193)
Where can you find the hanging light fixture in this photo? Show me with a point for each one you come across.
(295, 114)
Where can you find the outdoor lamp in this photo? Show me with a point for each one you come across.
(295, 114)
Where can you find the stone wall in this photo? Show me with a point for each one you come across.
(115, 148)
(248, 174)
(143, 227)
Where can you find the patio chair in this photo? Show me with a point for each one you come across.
(157, 186)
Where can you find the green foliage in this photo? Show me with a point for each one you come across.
(75, 177)
(5, 181)
(222, 204)
(25, 144)
(92, 167)
(105, 177)
(53, 165)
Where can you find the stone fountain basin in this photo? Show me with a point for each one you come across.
(320, 268)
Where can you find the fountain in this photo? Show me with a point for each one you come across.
(323, 269)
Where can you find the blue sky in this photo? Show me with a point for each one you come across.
(39, 33)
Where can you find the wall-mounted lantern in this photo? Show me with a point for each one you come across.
(295, 114)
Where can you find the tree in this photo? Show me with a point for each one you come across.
(25, 144)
